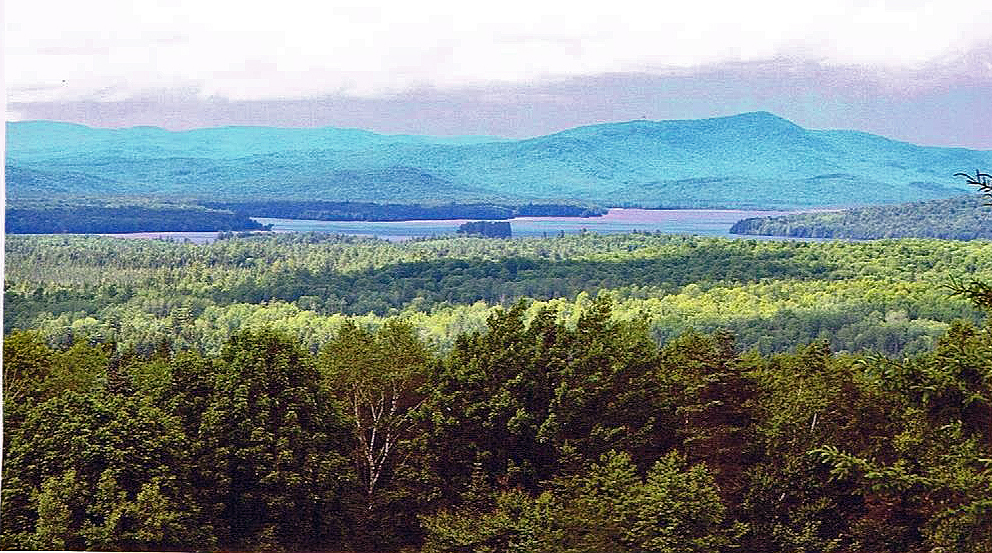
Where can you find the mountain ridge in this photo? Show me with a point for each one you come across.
(753, 159)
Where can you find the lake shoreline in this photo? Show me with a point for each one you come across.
(702, 222)
(698, 222)
(706, 222)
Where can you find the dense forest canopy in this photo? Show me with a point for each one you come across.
(524, 436)
(884, 295)
(583, 393)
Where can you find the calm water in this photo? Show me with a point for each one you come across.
(707, 222)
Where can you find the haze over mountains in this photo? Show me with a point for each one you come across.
(748, 160)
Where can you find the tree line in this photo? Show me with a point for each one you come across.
(324, 210)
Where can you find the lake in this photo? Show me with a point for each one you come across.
(706, 222)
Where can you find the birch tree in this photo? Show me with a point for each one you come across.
(377, 378)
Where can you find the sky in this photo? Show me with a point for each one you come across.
(911, 70)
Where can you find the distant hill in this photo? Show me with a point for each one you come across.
(748, 160)
(962, 218)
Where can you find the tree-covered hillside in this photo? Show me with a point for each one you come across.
(960, 218)
(748, 160)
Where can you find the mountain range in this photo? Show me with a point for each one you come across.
(748, 160)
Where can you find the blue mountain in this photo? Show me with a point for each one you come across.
(748, 160)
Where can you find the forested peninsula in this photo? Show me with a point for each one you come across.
(106, 218)
(958, 218)
(368, 211)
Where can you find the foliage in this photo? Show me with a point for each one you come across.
(960, 218)
(489, 229)
(977, 291)
(95, 219)
(541, 432)
(98, 471)
(880, 295)
(269, 447)
(675, 508)
(158, 410)
(378, 379)
(517, 399)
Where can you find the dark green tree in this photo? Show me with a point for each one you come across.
(710, 396)
(34, 373)
(524, 401)
(272, 448)
(674, 508)
(85, 470)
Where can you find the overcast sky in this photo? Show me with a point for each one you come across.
(913, 70)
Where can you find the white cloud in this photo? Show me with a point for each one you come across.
(110, 50)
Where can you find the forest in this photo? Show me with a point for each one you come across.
(958, 218)
(106, 218)
(774, 295)
(634, 392)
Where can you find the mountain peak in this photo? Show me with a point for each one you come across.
(761, 114)
(765, 118)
